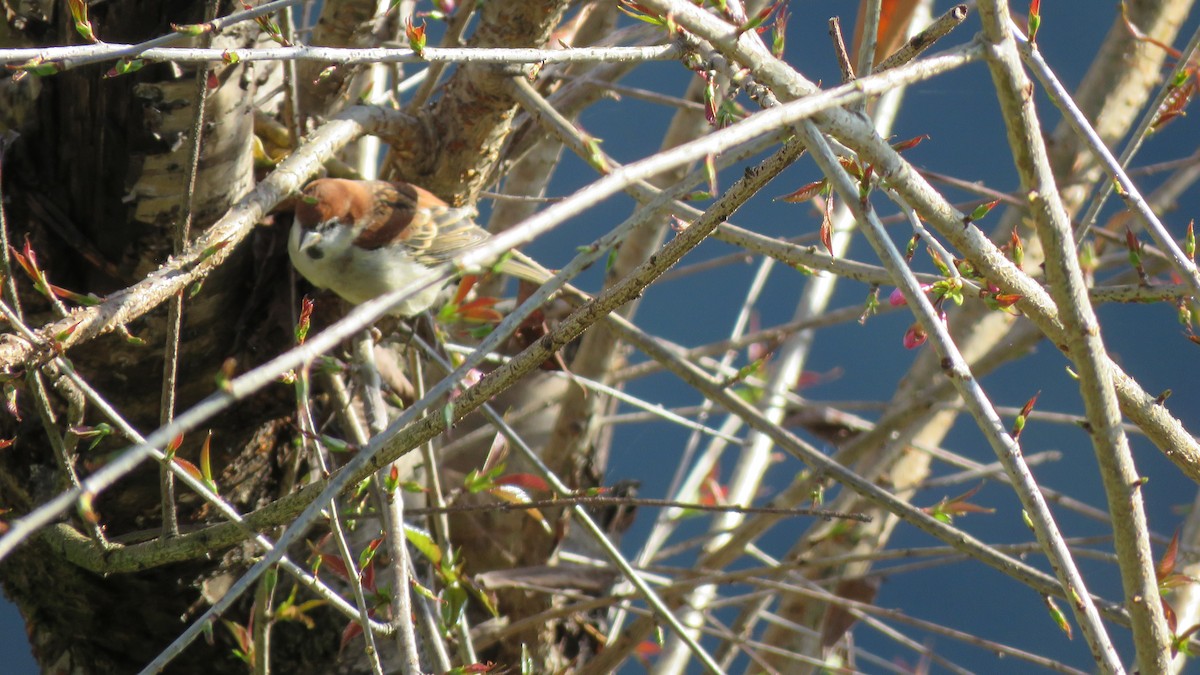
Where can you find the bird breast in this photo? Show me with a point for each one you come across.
(328, 259)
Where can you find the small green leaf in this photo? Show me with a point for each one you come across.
(206, 464)
(1035, 20)
(1026, 410)
(416, 36)
(305, 321)
(981, 211)
(424, 543)
(779, 34)
(595, 156)
(871, 306)
(1059, 618)
(192, 29)
(1016, 248)
(125, 67)
(336, 444)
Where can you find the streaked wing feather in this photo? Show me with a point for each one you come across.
(444, 234)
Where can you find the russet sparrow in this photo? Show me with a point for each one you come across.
(363, 238)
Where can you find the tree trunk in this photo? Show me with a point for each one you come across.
(97, 183)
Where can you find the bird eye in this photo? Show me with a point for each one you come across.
(314, 253)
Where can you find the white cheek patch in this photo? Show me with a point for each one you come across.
(328, 259)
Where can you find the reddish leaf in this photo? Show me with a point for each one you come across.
(1176, 102)
(1166, 564)
(711, 490)
(895, 16)
(1016, 249)
(392, 482)
(1169, 615)
(485, 667)
(27, 259)
(368, 554)
(896, 297)
(188, 467)
(910, 143)
(710, 96)
(67, 332)
(305, 321)
(367, 576)
(1131, 241)
(241, 635)
(416, 36)
(852, 167)
(779, 36)
(206, 463)
(336, 565)
(864, 183)
(1007, 299)
(1028, 407)
(827, 225)
(805, 193)
(947, 509)
(980, 211)
(757, 23)
(465, 284)
(86, 508)
(1035, 20)
(480, 310)
(645, 650)
(351, 631)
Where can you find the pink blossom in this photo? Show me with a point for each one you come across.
(897, 299)
(915, 336)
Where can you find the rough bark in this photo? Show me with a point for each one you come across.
(97, 183)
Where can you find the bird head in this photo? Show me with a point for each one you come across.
(330, 215)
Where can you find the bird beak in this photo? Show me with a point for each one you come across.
(308, 244)
(308, 239)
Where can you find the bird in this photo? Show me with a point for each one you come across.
(364, 238)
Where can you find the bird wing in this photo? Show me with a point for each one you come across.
(440, 234)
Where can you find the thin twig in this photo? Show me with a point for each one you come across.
(72, 57)
(586, 500)
(1180, 263)
(839, 49)
(918, 43)
(209, 249)
(1086, 350)
(391, 506)
(353, 575)
(1140, 134)
(179, 240)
